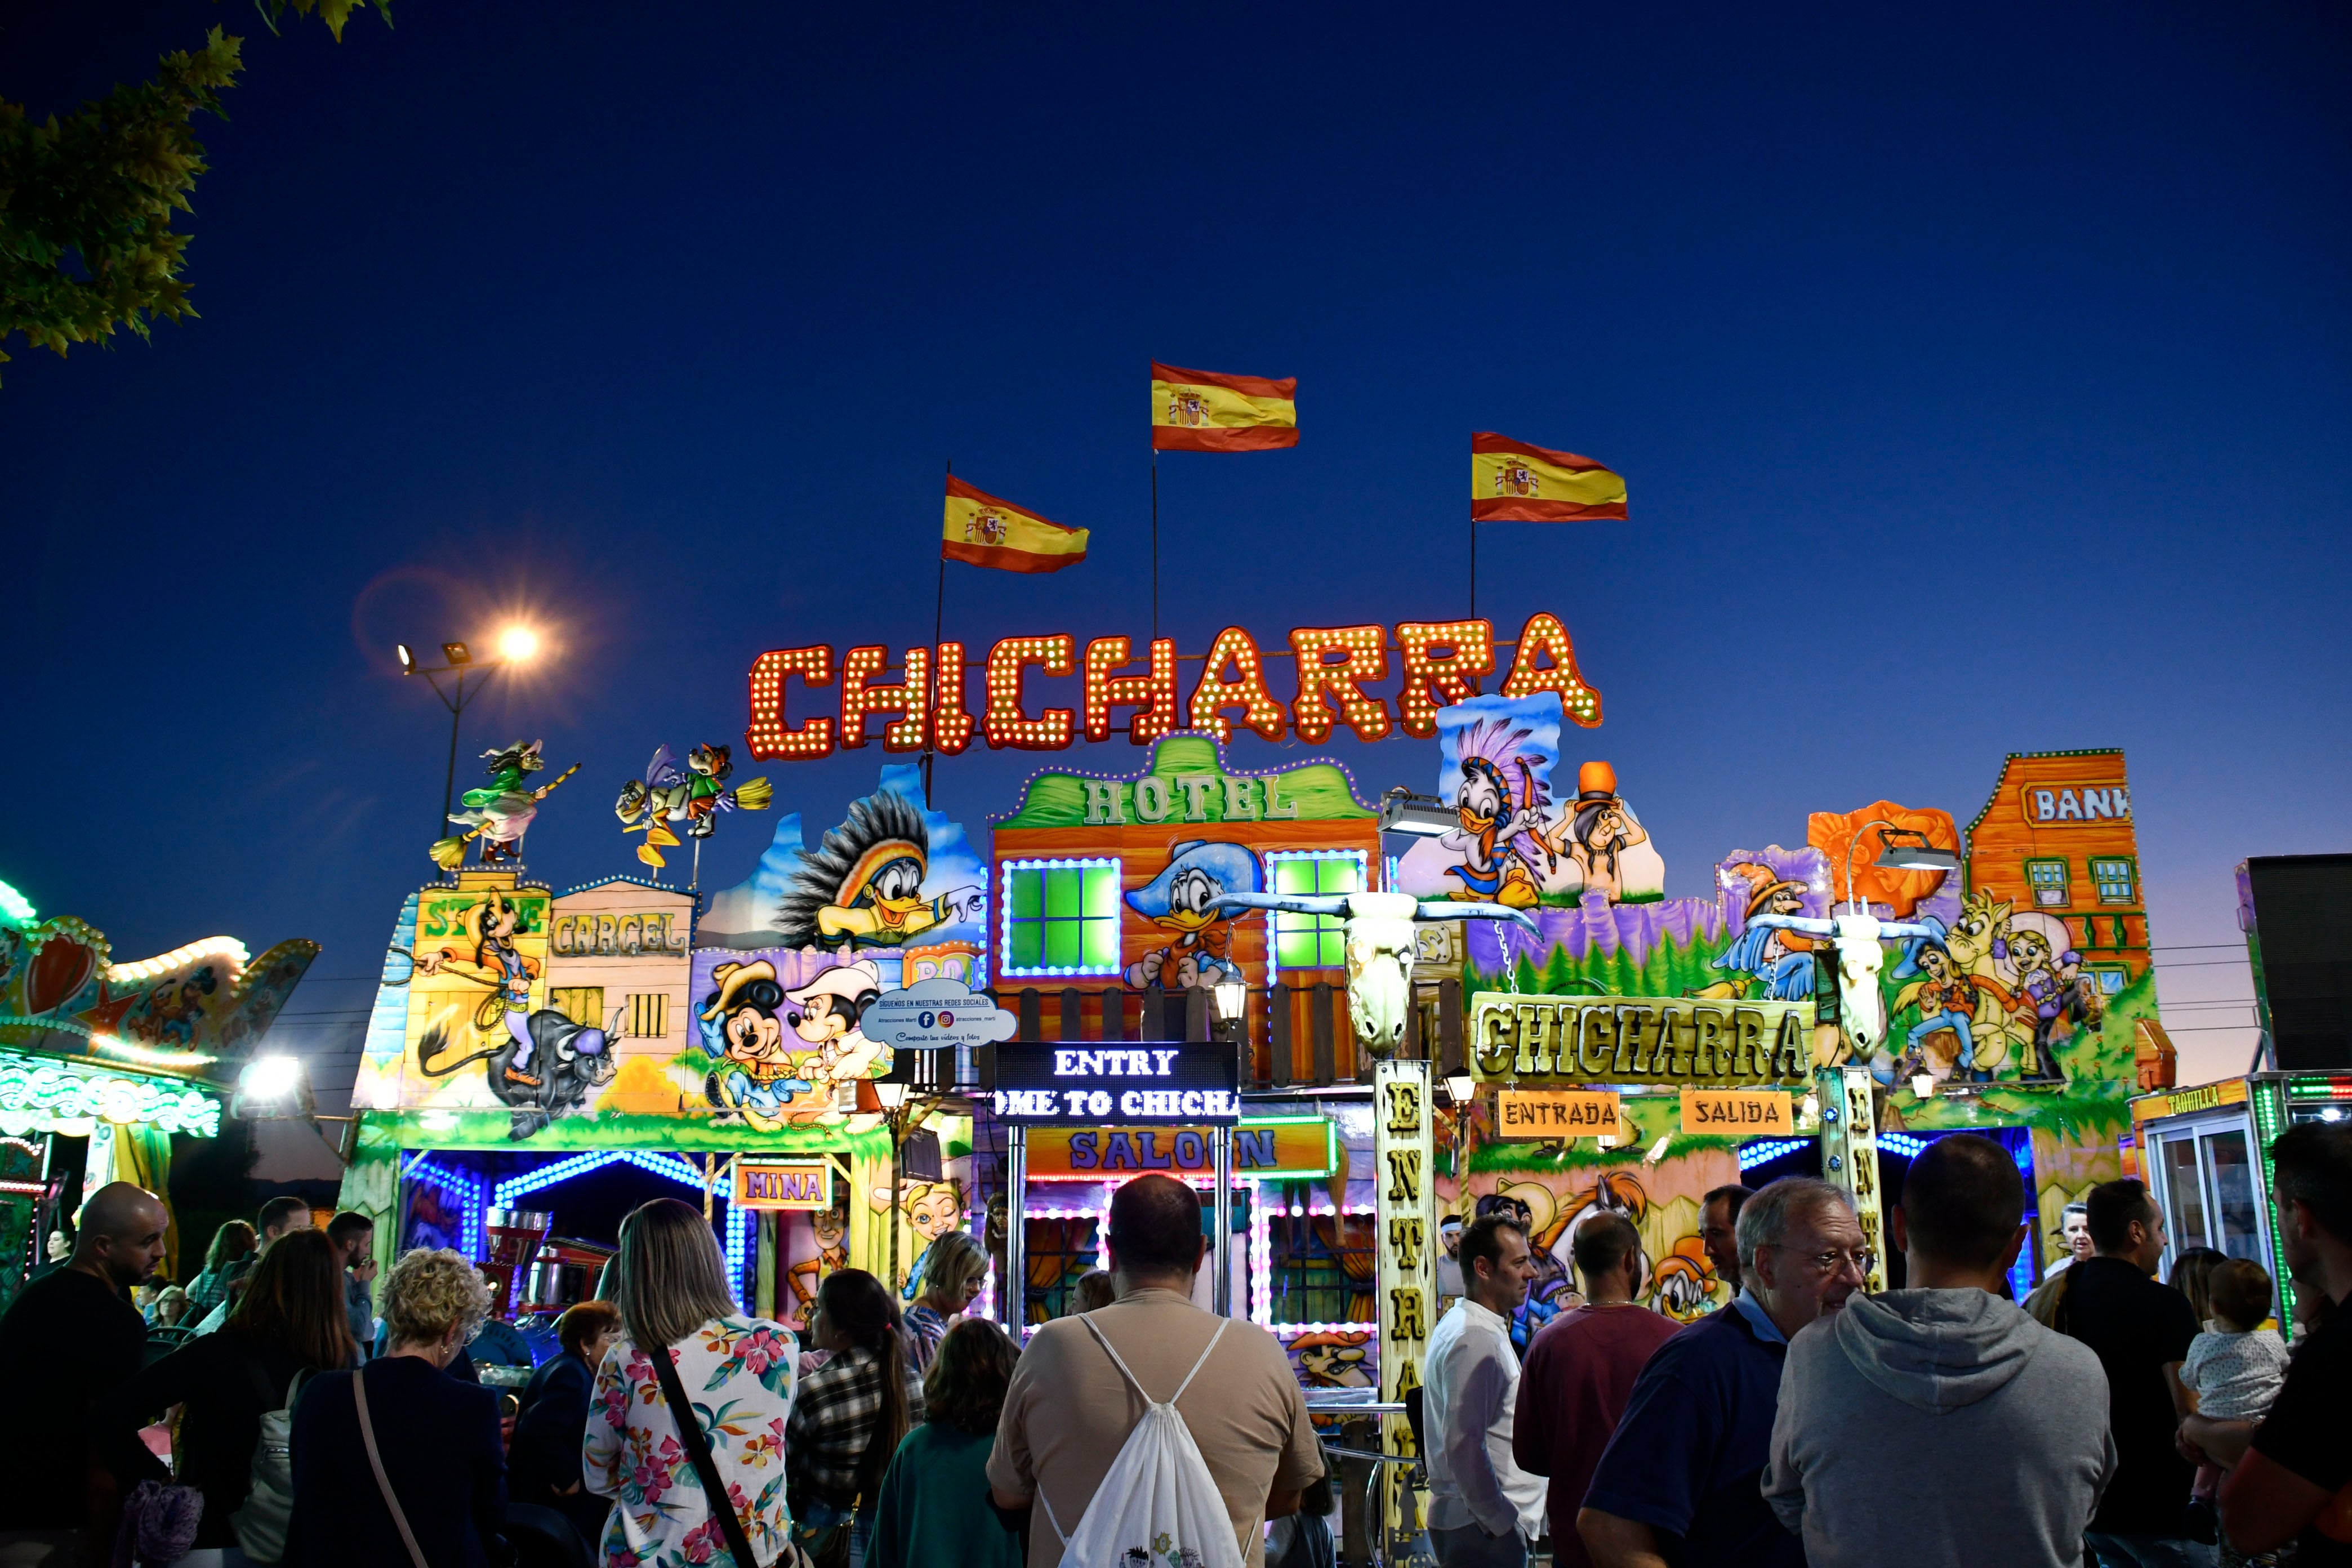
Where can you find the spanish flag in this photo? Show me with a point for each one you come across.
(1197, 411)
(1515, 481)
(985, 531)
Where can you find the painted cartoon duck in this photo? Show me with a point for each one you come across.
(1682, 1286)
(864, 885)
(1183, 900)
(1501, 821)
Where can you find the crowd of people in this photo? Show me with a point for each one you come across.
(292, 1417)
(2112, 1420)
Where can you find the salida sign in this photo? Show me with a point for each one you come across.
(924, 689)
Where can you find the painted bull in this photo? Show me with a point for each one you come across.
(1380, 948)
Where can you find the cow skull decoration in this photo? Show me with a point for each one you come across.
(1380, 948)
(1855, 936)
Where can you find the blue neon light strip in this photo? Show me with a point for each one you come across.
(676, 1167)
(466, 1191)
(1754, 1155)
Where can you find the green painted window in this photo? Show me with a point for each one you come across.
(2117, 881)
(1313, 941)
(1061, 917)
(2048, 880)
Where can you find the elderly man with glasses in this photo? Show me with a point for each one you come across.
(1679, 1482)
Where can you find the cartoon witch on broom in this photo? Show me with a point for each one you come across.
(501, 812)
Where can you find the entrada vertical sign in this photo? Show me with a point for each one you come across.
(1407, 1277)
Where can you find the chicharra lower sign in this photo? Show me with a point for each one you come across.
(1533, 1041)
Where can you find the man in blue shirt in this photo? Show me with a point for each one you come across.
(1679, 1486)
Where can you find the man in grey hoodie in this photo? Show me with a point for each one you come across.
(1997, 1426)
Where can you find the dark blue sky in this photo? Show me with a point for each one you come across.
(1980, 375)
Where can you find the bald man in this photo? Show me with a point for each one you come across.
(68, 1340)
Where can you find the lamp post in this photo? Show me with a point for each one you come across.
(517, 645)
(1899, 849)
(890, 1090)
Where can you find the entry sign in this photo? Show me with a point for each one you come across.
(770, 1185)
(1738, 1112)
(1091, 1085)
(1556, 1114)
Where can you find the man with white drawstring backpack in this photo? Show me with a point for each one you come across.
(1149, 1426)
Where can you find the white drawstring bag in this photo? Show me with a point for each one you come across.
(1158, 1507)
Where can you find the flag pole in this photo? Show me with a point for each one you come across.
(1155, 543)
(1473, 568)
(939, 625)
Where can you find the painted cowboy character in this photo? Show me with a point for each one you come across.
(1782, 959)
(1183, 900)
(741, 1024)
(1950, 1002)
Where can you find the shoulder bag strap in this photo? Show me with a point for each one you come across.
(698, 1448)
(375, 1463)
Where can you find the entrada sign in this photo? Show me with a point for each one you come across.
(1153, 1083)
(924, 687)
(1538, 1040)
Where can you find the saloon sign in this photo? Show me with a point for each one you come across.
(923, 690)
(1565, 1040)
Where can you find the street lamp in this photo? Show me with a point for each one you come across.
(1899, 849)
(517, 645)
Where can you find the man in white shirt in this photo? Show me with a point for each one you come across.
(1483, 1508)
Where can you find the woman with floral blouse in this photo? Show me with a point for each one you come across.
(670, 1285)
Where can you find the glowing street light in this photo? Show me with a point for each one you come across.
(517, 644)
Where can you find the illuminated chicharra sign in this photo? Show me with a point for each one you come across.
(926, 705)
(1537, 1040)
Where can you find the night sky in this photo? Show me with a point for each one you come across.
(1980, 375)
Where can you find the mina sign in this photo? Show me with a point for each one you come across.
(921, 702)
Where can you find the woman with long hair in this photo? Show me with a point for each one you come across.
(670, 1285)
(288, 1325)
(444, 1471)
(954, 1267)
(232, 1244)
(850, 1417)
(933, 1511)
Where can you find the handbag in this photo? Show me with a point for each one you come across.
(375, 1463)
(714, 1486)
(269, 1508)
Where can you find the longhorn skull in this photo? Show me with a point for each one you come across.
(1380, 948)
(1856, 937)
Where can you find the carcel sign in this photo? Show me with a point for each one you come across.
(1093, 1084)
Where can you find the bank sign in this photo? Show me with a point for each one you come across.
(1069, 1085)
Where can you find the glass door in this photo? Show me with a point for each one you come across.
(2204, 1177)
